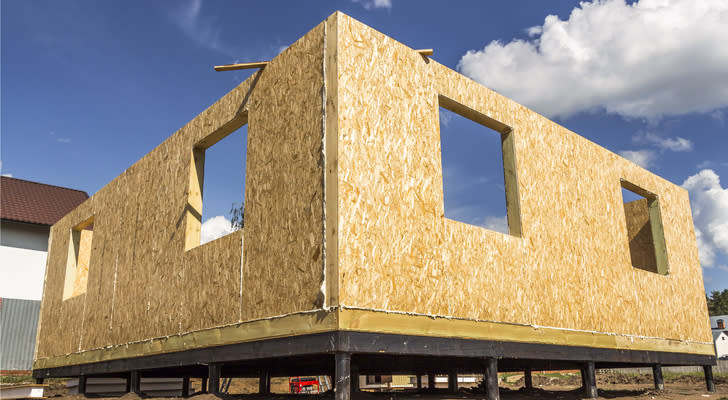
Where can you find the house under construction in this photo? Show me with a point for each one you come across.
(347, 265)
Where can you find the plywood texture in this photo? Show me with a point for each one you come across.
(283, 268)
(144, 279)
(344, 216)
(570, 268)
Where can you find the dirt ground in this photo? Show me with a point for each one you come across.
(559, 387)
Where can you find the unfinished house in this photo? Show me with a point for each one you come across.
(347, 264)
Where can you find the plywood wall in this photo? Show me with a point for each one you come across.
(569, 268)
(145, 282)
(344, 209)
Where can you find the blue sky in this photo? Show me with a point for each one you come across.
(89, 87)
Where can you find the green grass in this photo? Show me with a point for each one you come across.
(16, 379)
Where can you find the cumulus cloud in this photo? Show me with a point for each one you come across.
(643, 158)
(649, 59)
(370, 4)
(709, 201)
(214, 228)
(672, 144)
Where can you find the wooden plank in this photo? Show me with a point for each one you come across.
(425, 52)
(248, 65)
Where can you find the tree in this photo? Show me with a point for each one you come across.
(237, 216)
(718, 302)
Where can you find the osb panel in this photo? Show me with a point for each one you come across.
(283, 264)
(639, 234)
(571, 266)
(142, 284)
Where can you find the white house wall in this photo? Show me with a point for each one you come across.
(22, 260)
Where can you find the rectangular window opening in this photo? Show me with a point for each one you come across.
(217, 186)
(478, 169)
(644, 229)
(79, 256)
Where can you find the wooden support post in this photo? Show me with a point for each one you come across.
(419, 381)
(185, 386)
(590, 381)
(82, 384)
(134, 384)
(342, 382)
(657, 376)
(709, 384)
(452, 381)
(491, 379)
(528, 378)
(203, 386)
(264, 381)
(213, 378)
(430, 382)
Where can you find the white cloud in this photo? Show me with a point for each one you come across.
(673, 144)
(204, 30)
(4, 174)
(643, 158)
(369, 4)
(709, 201)
(648, 59)
(214, 228)
(498, 224)
(64, 140)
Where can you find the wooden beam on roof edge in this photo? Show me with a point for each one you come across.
(233, 67)
(262, 64)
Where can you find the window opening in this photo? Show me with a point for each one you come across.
(217, 186)
(478, 169)
(644, 229)
(79, 256)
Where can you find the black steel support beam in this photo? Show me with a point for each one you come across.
(590, 380)
(419, 380)
(354, 369)
(430, 382)
(185, 386)
(528, 378)
(452, 381)
(82, 384)
(342, 380)
(134, 382)
(213, 378)
(709, 384)
(264, 381)
(491, 379)
(657, 376)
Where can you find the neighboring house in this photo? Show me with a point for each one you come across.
(720, 338)
(27, 211)
(718, 323)
(720, 334)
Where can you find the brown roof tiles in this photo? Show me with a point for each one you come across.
(36, 203)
